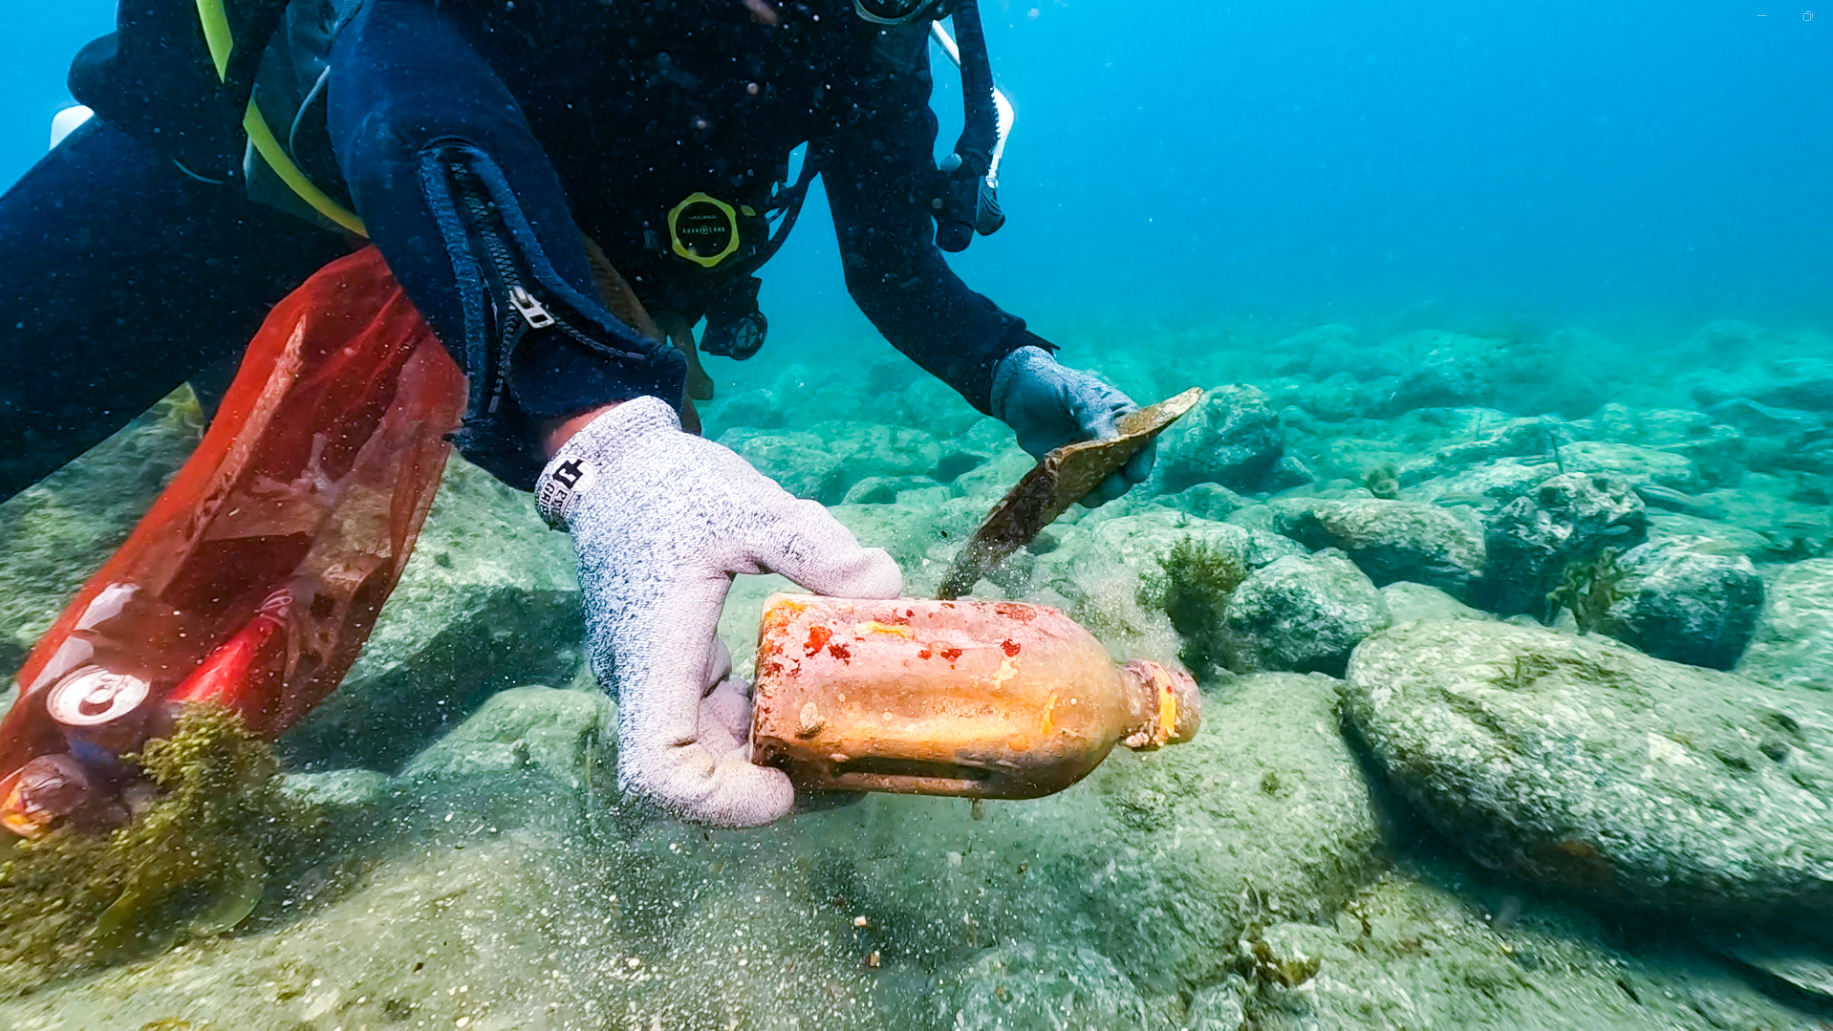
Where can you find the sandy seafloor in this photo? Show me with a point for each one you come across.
(1333, 852)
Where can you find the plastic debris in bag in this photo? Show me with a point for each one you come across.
(255, 578)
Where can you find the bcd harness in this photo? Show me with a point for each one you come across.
(237, 72)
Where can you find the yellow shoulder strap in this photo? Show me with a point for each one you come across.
(221, 41)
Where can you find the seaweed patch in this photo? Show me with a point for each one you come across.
(193, 864)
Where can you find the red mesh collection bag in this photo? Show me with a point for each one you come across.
(256, 576)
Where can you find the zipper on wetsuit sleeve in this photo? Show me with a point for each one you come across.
(530, 314)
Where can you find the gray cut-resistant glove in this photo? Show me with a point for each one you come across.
(661, 520)
(1049, 405)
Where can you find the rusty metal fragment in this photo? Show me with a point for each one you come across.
(1058, 480)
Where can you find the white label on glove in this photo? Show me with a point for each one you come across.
(561, 489)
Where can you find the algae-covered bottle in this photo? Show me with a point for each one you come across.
(967, 698)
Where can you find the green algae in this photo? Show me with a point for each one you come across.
(1383, 481)
(193, 864)
(1588, 589)
(1193, 585)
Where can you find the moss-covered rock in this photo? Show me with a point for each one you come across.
(529, 755)
(1408, 602)
(1158, 861)
(1585, 766)
(1567, 519)
(1420, 948)
(1095, 569)
(1794, 636)
(1026, 987)
(1231, 437)
(794, 459)
(884, 490)
(1397, 540)
(506, 890)
(1632, 462)
(876, 449)
(1137, 541)
(1302, 615)
(1678, 599)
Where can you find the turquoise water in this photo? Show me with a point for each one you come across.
(1517, 342)
(1655, 165)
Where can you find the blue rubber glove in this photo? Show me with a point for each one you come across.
(1049, 405)
(661, 520)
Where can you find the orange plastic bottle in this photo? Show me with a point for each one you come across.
(975, 699)
(256, 576)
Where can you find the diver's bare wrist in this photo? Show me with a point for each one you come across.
(557, 431)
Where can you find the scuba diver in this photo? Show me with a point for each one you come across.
(486, 146)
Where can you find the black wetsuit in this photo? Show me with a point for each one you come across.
(124, 274)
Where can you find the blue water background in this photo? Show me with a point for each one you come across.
(1639, 167)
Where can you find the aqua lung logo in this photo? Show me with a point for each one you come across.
(703, 229)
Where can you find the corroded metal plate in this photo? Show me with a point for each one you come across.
(1055, 483)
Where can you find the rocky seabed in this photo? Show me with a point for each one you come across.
(1518, 663)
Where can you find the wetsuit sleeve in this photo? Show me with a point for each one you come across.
(470, 213)
(879, 172)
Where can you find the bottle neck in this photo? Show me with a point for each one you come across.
(1165, 705)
